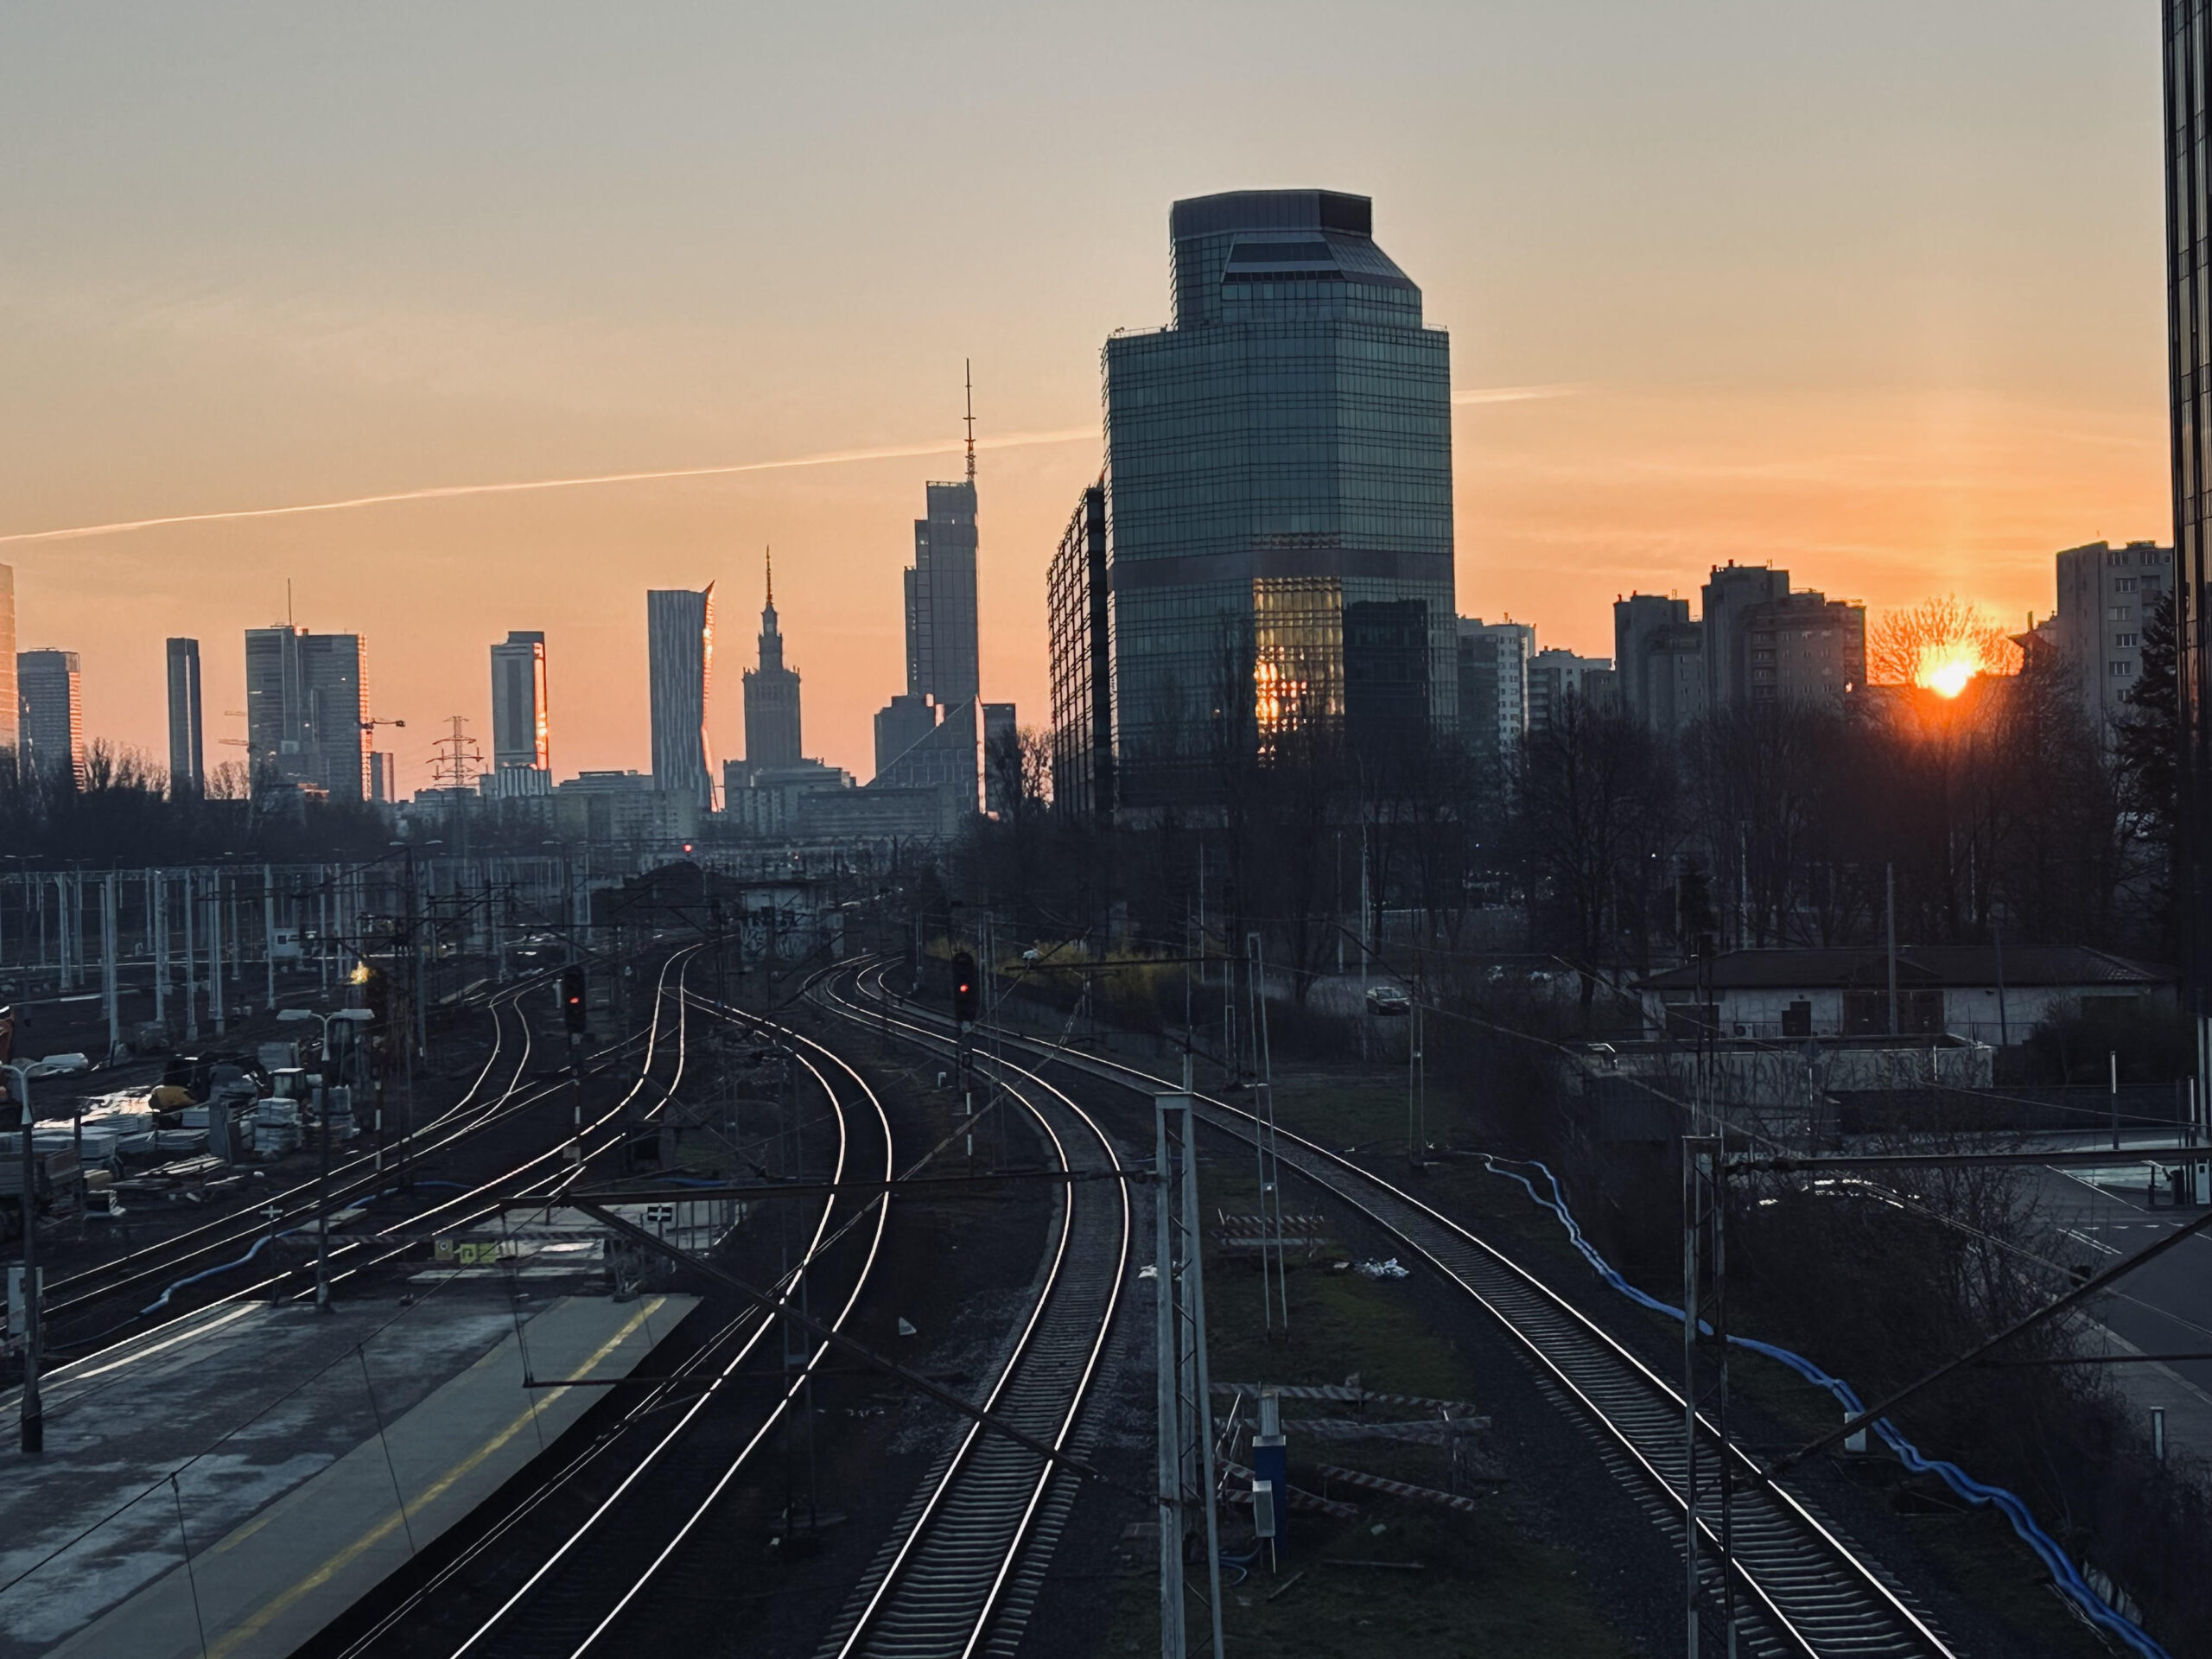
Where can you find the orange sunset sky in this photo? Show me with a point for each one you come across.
(1869, 291)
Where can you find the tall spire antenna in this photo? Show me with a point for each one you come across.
(771, 578)
(967, 368)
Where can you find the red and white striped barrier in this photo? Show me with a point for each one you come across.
(1299, 1498)
(1337, 1391)
(1399, 1489)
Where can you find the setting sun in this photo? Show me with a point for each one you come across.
(1946, 673)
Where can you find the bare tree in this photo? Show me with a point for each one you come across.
(1940, 642)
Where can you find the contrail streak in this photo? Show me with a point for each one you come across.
(444, 493)
(1513, 394)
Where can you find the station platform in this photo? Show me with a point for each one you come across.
(228, 1485)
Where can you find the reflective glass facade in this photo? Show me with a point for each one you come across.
(2188, 36)
(1281, 451)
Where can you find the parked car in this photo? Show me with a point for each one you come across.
(59, 1065)
(1387, 1000)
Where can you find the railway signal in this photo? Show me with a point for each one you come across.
(572, 1000)
(963, 989)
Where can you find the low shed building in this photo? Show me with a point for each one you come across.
(1976, 992)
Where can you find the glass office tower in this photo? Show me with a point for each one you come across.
(1278, 497)
(2188, 36)
(680, 660)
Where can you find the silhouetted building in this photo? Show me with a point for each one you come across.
(50, 705)
(771, 728)
(1803, 648)
(187, 770)
(941, 640)
(949, 756)
(307, 705)
(1082, 666)
(1002, 756)
(522, 730)
(900, 724)
(1659, 654)
(1277, 457)
(680, 649)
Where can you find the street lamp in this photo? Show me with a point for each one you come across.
(351, 1017)
(34, 1412)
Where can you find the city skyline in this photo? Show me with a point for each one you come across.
(1824, 341)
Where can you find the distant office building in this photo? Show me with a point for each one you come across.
(771, 726)
(680, 645)
(8, 713)
(1278, 463)
(2104, 592)
(625, 807)
(307, 705)
(766, 801)
(900, 724)
(1001, 755)
(1556, 675)
(1493, 686)
(942, 672)
(50, 702)
(948, 757)
(187, 771)
(1659, 655)
(522, 730)
(1082, 664)
(1803, 648)
(383, 777)
(941, 637)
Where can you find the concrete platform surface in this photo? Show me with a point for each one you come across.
(277, 1444)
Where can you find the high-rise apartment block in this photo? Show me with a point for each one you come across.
(1556, 675)
(1659, 654)
(522, 731)
(2105, 593)
(307, 706)
(50, 705)
(188, 768)
(680, 649)
(1277, 497)
(1493, 686)
(1756, 643)
(1082, 666)
(9, 713)
(772, 722)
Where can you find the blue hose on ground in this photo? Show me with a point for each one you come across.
(2064, 1573)
(259, 1245)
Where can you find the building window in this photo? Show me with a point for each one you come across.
(2124, 585)
(2120, 614)
(2122, 671)
(2123, 641)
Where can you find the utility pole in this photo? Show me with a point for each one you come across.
(1264, 1143)
(1705, 1300)
(34, 1412)
(110, 943)
(1185, 1409)
(1890, 910)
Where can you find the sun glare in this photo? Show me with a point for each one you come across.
(1946, 674)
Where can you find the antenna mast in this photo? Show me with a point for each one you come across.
(968, 369)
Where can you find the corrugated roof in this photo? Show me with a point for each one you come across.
(1920, 965)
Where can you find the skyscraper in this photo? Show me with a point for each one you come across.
(7, 710)
(50, 700)
(772, 730)
(307, 705)
(521, 735)
(1278, 464)
(1082, 666)
(680, 649)
(188, 773)
(2187, 33)
(1493, 687)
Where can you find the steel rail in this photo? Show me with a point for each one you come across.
(1815, 1591)
(943, 1585)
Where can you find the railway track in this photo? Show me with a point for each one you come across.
(178, 1257)
(962, 1570)
(627, 1527)
(1802, 1587)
